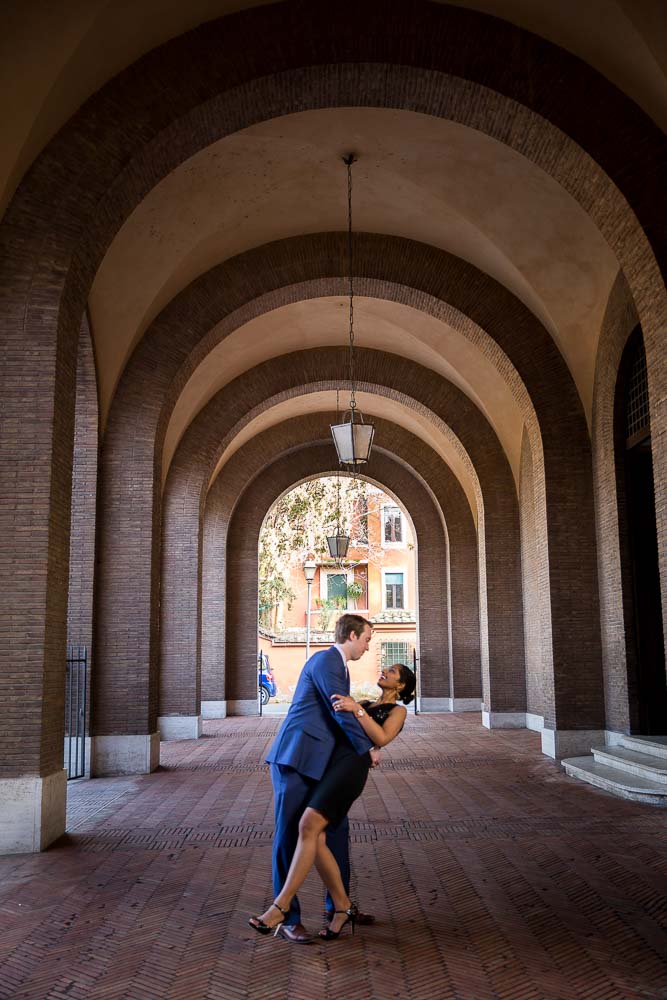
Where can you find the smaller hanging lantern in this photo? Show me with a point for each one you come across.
(338, 543)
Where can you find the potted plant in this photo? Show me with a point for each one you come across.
(328, 608)
(355, 590)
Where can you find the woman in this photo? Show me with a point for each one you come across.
(342, 783)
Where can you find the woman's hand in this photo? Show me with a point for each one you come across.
(344, 703)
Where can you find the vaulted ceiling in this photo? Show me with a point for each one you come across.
(434, 181)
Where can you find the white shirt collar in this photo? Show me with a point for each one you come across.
(340, 650)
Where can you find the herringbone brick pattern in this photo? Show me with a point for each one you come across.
(491, 875)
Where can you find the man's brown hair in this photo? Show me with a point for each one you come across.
(350, 623)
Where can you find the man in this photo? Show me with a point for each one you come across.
(301, 752)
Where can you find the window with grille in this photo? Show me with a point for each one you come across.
(393, 590)
(392, 525)
(396, 652)
(637, 424)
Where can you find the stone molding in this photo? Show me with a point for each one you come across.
(180, 727)
(124, 754)
(33, 812)
(243, 706)
(450, 704)
(558, 743)
(214, 709)
(504, 720)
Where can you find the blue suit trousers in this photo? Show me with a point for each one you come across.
(291, 791)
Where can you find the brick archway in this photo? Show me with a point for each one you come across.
(178, 643)
(117, 669)
(242, 579)
(518, 344)
(220, 420)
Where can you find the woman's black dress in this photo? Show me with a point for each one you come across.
(346, 773)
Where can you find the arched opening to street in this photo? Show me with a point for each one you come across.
(333, 545)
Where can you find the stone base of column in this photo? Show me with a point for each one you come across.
(33, 812)
(466, 705)
(450, 704)
(214, 709)
(433, 705)
(558, 743)
(180, 727)
(121, 754)
(614, 739)
(504, 720)
(534, 722)
(247, 706)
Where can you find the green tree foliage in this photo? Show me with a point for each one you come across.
(297, 526)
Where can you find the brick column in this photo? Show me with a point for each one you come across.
(214, 605)
(82, 533)
(37, 403)
(124, 729)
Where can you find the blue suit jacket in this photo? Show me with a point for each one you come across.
(308, 735)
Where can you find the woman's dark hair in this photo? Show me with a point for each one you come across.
(409, 682)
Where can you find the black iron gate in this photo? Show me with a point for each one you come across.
(75, 711)
(415, 659)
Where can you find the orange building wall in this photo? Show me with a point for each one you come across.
(287, 660)
(402, 557)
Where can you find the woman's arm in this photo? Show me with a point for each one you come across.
(381, 735)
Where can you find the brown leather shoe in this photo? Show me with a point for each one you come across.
(363, 919)
(296, 933)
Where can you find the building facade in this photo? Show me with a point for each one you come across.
(381, 562)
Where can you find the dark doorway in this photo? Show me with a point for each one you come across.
(647, 684)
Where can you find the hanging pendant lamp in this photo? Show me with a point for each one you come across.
(338, 544)
(353, 437)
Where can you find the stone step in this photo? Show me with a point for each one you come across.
(611, 779)
(643, 764)
(655, 746)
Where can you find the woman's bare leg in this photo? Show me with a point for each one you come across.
(311, 825)
(329, 872)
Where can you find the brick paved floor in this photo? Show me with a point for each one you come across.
(490, 872)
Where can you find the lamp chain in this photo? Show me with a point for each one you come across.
(337, 477)
(338, 504)
(349, 160)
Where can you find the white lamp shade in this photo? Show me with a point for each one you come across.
(353, 441)
(338, 545)
(309, 570)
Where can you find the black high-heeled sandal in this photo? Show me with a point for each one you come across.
(328, 935)
(263, 928)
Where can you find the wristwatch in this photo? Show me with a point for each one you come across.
(360, 712)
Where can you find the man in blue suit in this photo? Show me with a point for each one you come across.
(301, 752)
